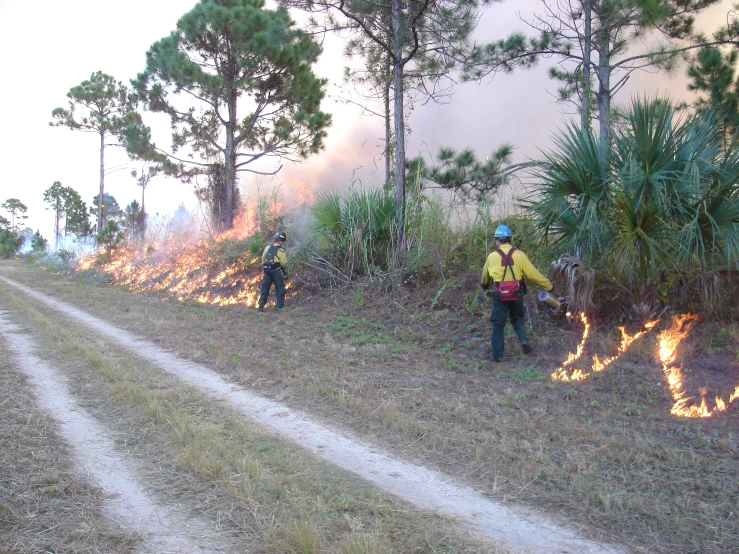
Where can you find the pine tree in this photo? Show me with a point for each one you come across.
(226, 56)
(38, 242)
(713, 76)
(598, 41)
(110, 208)
(147, 173)
(76, 219)
(107, 110)
(17, 210)
(133, 220)
(422, 38)
(55, 196)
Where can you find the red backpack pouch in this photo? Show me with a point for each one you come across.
(510, 291)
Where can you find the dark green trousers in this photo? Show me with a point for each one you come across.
(501, 312)
(279, 282)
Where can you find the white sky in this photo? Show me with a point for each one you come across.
(51, 46)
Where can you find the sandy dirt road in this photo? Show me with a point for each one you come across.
(161, 528)
(522, 531)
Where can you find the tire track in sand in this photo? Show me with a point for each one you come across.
(163, 530)
(520, 530)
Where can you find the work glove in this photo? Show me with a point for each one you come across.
(285, 276)
(484, 287)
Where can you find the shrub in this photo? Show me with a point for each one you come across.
(38, 243)
(10, 243)
(354, 231)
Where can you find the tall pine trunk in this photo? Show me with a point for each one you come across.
(388, 124)
(57, 221)
(398, 115)
(604, 81)
(143, 215)
(101, 222)
(587, 46)
(230, 165)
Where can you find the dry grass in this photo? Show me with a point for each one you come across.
(45, 504)
(265, 494)
(604, 454)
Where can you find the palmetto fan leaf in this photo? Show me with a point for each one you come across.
(354, 228)
(569, 204)
(663, 197)
(326, 227)
(640, 238)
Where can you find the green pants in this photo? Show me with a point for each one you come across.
(501, 312)
(279, 282)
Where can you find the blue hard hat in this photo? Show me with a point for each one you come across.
(503, 232)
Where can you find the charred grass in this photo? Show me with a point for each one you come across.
(410, 371)
(262, 493)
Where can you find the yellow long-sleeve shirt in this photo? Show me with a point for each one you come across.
(280, 257)
(522, 268)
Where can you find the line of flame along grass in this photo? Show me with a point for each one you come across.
(598, 365)
(561, 373)
(192, 272)
(668, 341)
(685, 406)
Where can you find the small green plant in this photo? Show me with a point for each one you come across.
(110, 236)
(438, 294)
(358, 297)
(631, 409)
(528, 374)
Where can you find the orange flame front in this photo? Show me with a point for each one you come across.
(685, 406)
(560, 374)
(598, 365)
(669, 339)
(207, 272)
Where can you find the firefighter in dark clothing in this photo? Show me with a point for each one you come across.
(510, 266)
(274, 264)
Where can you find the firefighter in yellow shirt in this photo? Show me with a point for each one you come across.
(509, 266)
(274, 265)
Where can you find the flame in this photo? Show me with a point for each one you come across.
(561, 374)
(668, 341)
(299, 191)
(598, 365)
(685, 406)
(197, 272)
(577, 375)
(244, 224)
